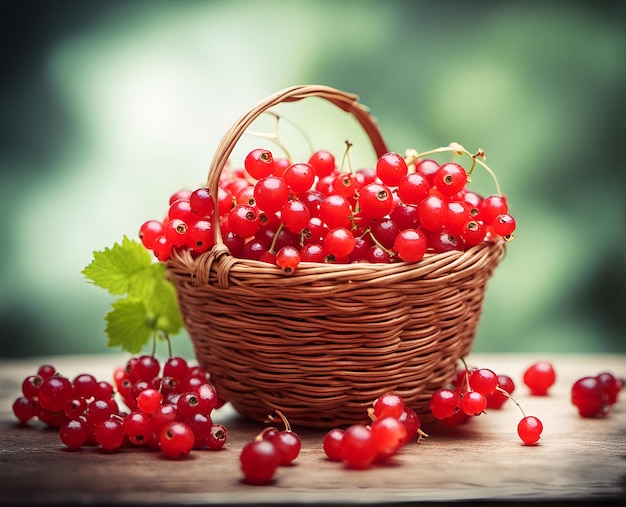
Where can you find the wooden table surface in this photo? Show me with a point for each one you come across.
(577, 461)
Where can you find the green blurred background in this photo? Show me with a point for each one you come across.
(108, 107)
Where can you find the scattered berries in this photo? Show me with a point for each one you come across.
(168, 408)
(594, 396)
(392, 426)
(472, 392)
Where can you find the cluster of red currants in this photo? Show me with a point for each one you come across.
(595, 395)
(271, 448)
(168, 409)
(475, 390)
(285, 213)
(393, 425)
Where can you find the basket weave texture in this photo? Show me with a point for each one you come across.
(323, 343)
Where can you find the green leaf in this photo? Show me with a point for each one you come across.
(149, 307)
(129, 325)
(113, 268)
(158, 294)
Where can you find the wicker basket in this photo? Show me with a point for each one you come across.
(322, 344)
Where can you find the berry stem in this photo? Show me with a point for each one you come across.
(512, 399)
(459, 150)
(467, 382)
(275, 238)
(285, 421)
(346, 159)
(274, 135)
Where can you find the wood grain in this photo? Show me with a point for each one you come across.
(577, 461)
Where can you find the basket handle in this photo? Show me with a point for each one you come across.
(346, 101)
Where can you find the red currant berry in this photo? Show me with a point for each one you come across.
(504, 225)
(323, 163)
(473, 403)
(217, 437)
(200, 236)
(388, 405)
(483, 380)
(375, 201)
(410, 245)
(109, 433)
(259, 460)
(201, 202)
(25, 409)
(539, 377)
(444, 403)
(332, 444)
(413, 188)
(300, 177)
(335, 211)
(450, 178)
(295, 215)
(176, 440)
(271, 193)
(150, 231)
(339, 242)
(391, 168)
(388, 434)
(433, 212)
(287, 259)
(259, 163)
(589, 397)
(74, 434)
(54, 393)
(427, 168)
(529, 430)
(358, 447)
(492, 206)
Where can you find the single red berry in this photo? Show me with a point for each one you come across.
(483, 380)
(504, 225)
(589, 397)
(539, 377)
(300, 177)
(201, 202)
(389, 434)
(444, 403)
(388, 405)
(432, 212)
(391, 168)
(259, 163)
(529, 430)
(332, 444)
(375, 201)
(259, 460)
(411, 245)
(271, 193)
(450, 178)
(358, 447)
(176, 440)
(473, 403)
(150, 231)
(323, 163)
(413, 188)
(288, 259)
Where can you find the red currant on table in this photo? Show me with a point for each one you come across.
(176, 440)
(529, 430)
(539, 377)
(259, 460)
